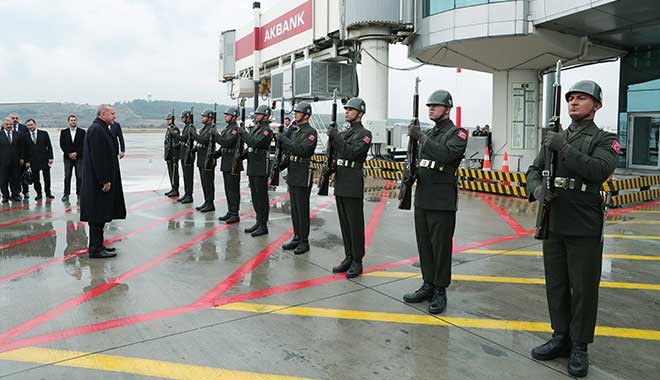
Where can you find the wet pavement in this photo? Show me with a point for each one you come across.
(191, 298)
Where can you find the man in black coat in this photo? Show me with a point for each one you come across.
(102, 196)
(12, 157)
(40, 156)
(118, 139)
(71, 143)
(22, 130)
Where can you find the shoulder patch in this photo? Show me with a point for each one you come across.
(233, 132)
(266, 133)
(462, 135)
(616, 146)
(312, 137)
(366, 139)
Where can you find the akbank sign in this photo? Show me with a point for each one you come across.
(283, 27)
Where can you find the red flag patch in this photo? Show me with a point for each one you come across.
(312, 137)
(366, 139)
(462, 135)
(616, 146)
(266, 133)
(234, 132)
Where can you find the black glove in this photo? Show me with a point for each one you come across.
(415, 132)
(549, 195)
(554, 141)
(333, 131)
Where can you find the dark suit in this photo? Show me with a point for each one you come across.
(22, 130)
(69, 146)
(118, 138)
(39, 153)
(100, 167)
(10, 154)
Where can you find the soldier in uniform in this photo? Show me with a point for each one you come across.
(298, 149)
(206, 139)
(172, 155)
(258, 141)
(229, 141)
(351, 148)
(436, 199)
(187, 153)
(573, 251)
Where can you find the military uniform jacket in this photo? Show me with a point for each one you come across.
(172, 143)
(437, 185)
(187, 149)
(228, 140)
(589, 158)
(299, 149)
(258, 142)
(351, 149)
(206, 139)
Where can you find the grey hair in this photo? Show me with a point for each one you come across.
(7, 119)
(102, 108)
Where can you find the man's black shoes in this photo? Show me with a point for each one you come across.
(344, 265)
(425, 293)
(558, 346)
(439, 301)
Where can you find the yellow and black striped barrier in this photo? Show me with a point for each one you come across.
(493, 188)
(520, 178)
(631, 183)
(635, 197)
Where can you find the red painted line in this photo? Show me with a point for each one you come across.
(97, 291)
(370, 230)
(631, 209)
(31, 218)
(253, 263)
(13, 208)
(38, 267)
(503, 214)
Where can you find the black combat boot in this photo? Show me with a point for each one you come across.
(185, 199)
(344, 265)
(355, 269)
(208, 208)
(578, 362)
(225, 217)
(169, 193)
(558, 346)
(174, 193)
(292, 244)
(200, 207)
(233, 218)
(250, 230)
(439, 301)
(425, 293)
(261, 230)
(302, 247)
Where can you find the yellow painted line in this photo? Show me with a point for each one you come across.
(640, 222)
(129, 365)
(515, 280)
(422, 319)
(636, 237)
(619, 256)
(647, 211)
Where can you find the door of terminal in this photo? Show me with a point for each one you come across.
(643, 141)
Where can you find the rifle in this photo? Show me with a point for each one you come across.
(550, 164)
(237, 166)
(170, 138)
(405, 194)
(275, 169)
(328, 167)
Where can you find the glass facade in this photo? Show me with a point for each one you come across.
(431, 7)
(639, 109)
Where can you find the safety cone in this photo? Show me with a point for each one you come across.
(487, 165)
(505, 168)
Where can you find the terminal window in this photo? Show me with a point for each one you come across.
(431, 7)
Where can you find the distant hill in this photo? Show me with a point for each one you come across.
(138, 113)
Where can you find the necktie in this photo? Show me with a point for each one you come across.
(9, 136)
(34, 137)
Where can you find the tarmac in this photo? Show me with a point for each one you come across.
(189, 297)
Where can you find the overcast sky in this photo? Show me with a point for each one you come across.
(95, 51)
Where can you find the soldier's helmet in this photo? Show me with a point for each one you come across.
(440, 97)
(356, 104)
(263, 110)
(207, 113)
(187, 114)
(169, 116)
(588, 87)
(233, 111)
(303, 107)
